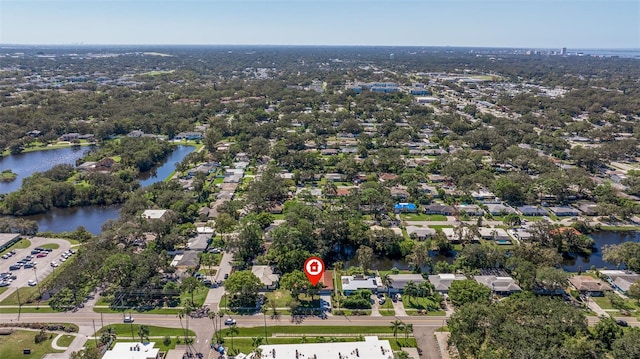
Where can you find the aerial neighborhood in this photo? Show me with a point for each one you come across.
(445, 191)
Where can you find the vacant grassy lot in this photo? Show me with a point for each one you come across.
(11, 346)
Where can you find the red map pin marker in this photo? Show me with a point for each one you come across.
(314, 269)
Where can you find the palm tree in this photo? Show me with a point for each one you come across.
(263, 309)
(386, 281)
(143, 332)
(213, 316)
(396, 326)
(408, 328)
(233, 330)
(410, 290)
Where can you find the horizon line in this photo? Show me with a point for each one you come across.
(329, 45)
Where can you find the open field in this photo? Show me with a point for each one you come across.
(11, 346)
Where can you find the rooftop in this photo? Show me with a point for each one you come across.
(370, 348)
(132, 350)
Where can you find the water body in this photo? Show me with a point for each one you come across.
(92, 217)
(623, 53)
(569, 264)
(26, 164)
(164, 169)
(68, 219)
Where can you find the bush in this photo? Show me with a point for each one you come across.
(356, 303)
(40, 337)
(167, 340)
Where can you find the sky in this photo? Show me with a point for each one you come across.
(578, 24)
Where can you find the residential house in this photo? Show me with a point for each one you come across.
(154, 213)
(483, 195)
(385, 177)
(621, 279)
(327, 282)
(443, 281)
(70, 136)
(564, 211)
(470, 209)
(532, 211)
(590, 286)
(335, 177)
(400, 281)
(439, 209)
(494, 234)
(587, 208)
(499, 209)
(405, 207)
(498, 285)
(268, 279)
(135, 133)
(455, 235)
(420, 233)
(352, 283)
(191, 135)
(399, 193)
(522, 234)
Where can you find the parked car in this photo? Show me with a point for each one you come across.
(31, 283)
(15, 267)
(382, 300)
(54, 264)
(4, 256)
(30, 265)
(230, 321)
(42, 254)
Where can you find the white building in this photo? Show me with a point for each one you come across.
(370, 348)
(132, 350)
(154, 213)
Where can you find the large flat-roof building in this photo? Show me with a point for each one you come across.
(370, 348)
(132, 350)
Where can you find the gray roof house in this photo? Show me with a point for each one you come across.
(420, 232)
(532, 211)
(439, 209)
(498, 209)
(498, 285)
(268, 279)
(443, 281)
(470, 209)
(564, 211)
(621, 279)
(400, 281)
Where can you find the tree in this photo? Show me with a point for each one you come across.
(466, 291)
(634, 291)
(225, 223)
(295, 282)
(387, 281)
(419, 256)
(396, 326)
(365, 257)
(189, 285)
(233, 330)
(87, 353)
(143, 333)
(607, 331)
(551, 278)
(243, 286)
(628, 346)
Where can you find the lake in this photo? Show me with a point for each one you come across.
(92, 217)
(568, 264)
(26, 164)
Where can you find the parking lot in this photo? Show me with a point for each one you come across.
(42, 266)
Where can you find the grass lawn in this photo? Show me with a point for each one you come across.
(423, 217)
(199, 295)
(418, 303)
(43, 308)
(65, 340)
(27, 295)
(3, 289)
(50, 246)
(123, 330)
(281, 297)
(11, 345)
(21, 244)
(439, 227)
(170, 311)
(308, 330)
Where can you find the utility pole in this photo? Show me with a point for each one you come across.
(95, 333)
(101, 320)
(35, 273)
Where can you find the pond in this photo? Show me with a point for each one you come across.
(26, 164)
(92, 217)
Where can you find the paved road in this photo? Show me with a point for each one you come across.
(43, 269)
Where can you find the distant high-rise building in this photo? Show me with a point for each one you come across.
(564, 51)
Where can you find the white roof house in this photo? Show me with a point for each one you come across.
(352, 283)
(132, 350)
(154, 213)
(370, 348)
(499, 285)
(421, 232)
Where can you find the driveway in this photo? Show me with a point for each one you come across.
(215, 294)
(426, 341)
(399, 309)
